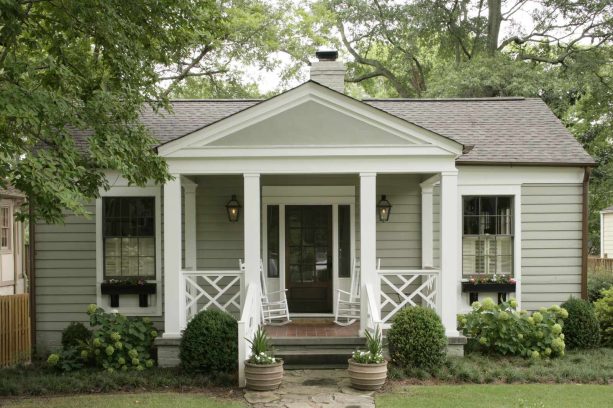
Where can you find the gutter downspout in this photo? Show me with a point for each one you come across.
(32, 279)
(585, 231)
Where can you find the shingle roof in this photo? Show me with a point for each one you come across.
(499, 130)
(607, 210)
(10, 191)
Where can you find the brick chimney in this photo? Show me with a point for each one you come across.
(328, 71)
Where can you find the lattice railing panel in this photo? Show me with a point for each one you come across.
(212, 289)
(401, 288)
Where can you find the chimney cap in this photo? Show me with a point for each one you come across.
(327, 55)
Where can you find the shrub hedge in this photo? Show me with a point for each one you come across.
(75, 334)
(581, 328)
(417, 339)
(210, 343)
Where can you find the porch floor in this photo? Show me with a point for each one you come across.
(313, 328)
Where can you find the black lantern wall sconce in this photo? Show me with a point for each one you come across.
(383, 209)
(233, 207)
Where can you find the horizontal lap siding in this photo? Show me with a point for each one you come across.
(399, 240)
(551, 243)
(65, 260)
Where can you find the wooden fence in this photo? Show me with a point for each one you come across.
(15, 346)
(595, 264)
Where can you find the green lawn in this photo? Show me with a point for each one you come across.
(494, 396)
(149, 400)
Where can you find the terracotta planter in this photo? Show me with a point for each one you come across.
(368, 377)
(264, 377)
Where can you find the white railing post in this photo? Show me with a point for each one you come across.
(450, 258)
(173, 309)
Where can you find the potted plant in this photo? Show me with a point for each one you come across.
(489, 283)
(263, 371)
(368, 369)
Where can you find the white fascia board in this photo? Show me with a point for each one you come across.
(317, 93)
(311, 151)
(515, 175)
(312, 165)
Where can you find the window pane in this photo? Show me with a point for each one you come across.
(5, 217)
(344, 241)
(273, 240)
(471, 225)
(146, 247)
(505, 215)
(146, 267)
(129, 236)
(5, 238)
(471, 205)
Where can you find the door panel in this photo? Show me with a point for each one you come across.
(309, 258)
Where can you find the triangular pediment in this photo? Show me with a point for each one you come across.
(310, 115)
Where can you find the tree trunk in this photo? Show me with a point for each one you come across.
(493, 24)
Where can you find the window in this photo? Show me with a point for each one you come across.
(272, 232)
(5, 227)
(344, 241)
(129, 237)
(487, 243)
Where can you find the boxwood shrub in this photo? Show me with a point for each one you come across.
(501, 329)
(417, 339)
(581, 328)
(75, 334)
(604, 312)
(210, 343)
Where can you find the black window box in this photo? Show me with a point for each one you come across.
(488, 287)
(142, 291)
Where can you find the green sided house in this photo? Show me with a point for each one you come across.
(352, 209)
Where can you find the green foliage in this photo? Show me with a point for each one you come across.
(261, 351)
(66, 360)
(33, 380)
(596, 283)
(501, 329)
(75, 335)
(604, 312)
(581, 328)
(120, 343)
(417, 339)
(89, 67)
(374, 349)
(210, 343)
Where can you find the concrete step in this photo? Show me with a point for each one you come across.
(309, 357)
(351, 342)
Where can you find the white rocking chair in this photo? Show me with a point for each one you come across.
(348, 303)
(274, 308)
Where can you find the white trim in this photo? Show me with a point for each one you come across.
(427, 220)
(450, 258)
(602, 234)
(508, 190)
(517, 175)
(277, 164)
(307, 195)
(11, 233)
(310, 92)
(156, 308)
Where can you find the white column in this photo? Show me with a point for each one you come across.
(189, 189)
(251, 218)
(173, 290)
(427, 221)
(450, 253)
(368, 243)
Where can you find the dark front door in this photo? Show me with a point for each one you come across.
(308, 254)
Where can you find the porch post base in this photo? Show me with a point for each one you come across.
(455, 346)
(168, 351)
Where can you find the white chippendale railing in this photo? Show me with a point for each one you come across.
(405, 287)
(247, 325)
(212, 289)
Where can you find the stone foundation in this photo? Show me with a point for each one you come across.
(455, 346)
(168, 352)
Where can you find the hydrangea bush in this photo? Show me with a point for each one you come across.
(502, 329)
(604, 312)
(117, 343)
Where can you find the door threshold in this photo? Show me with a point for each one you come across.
(307, 315)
